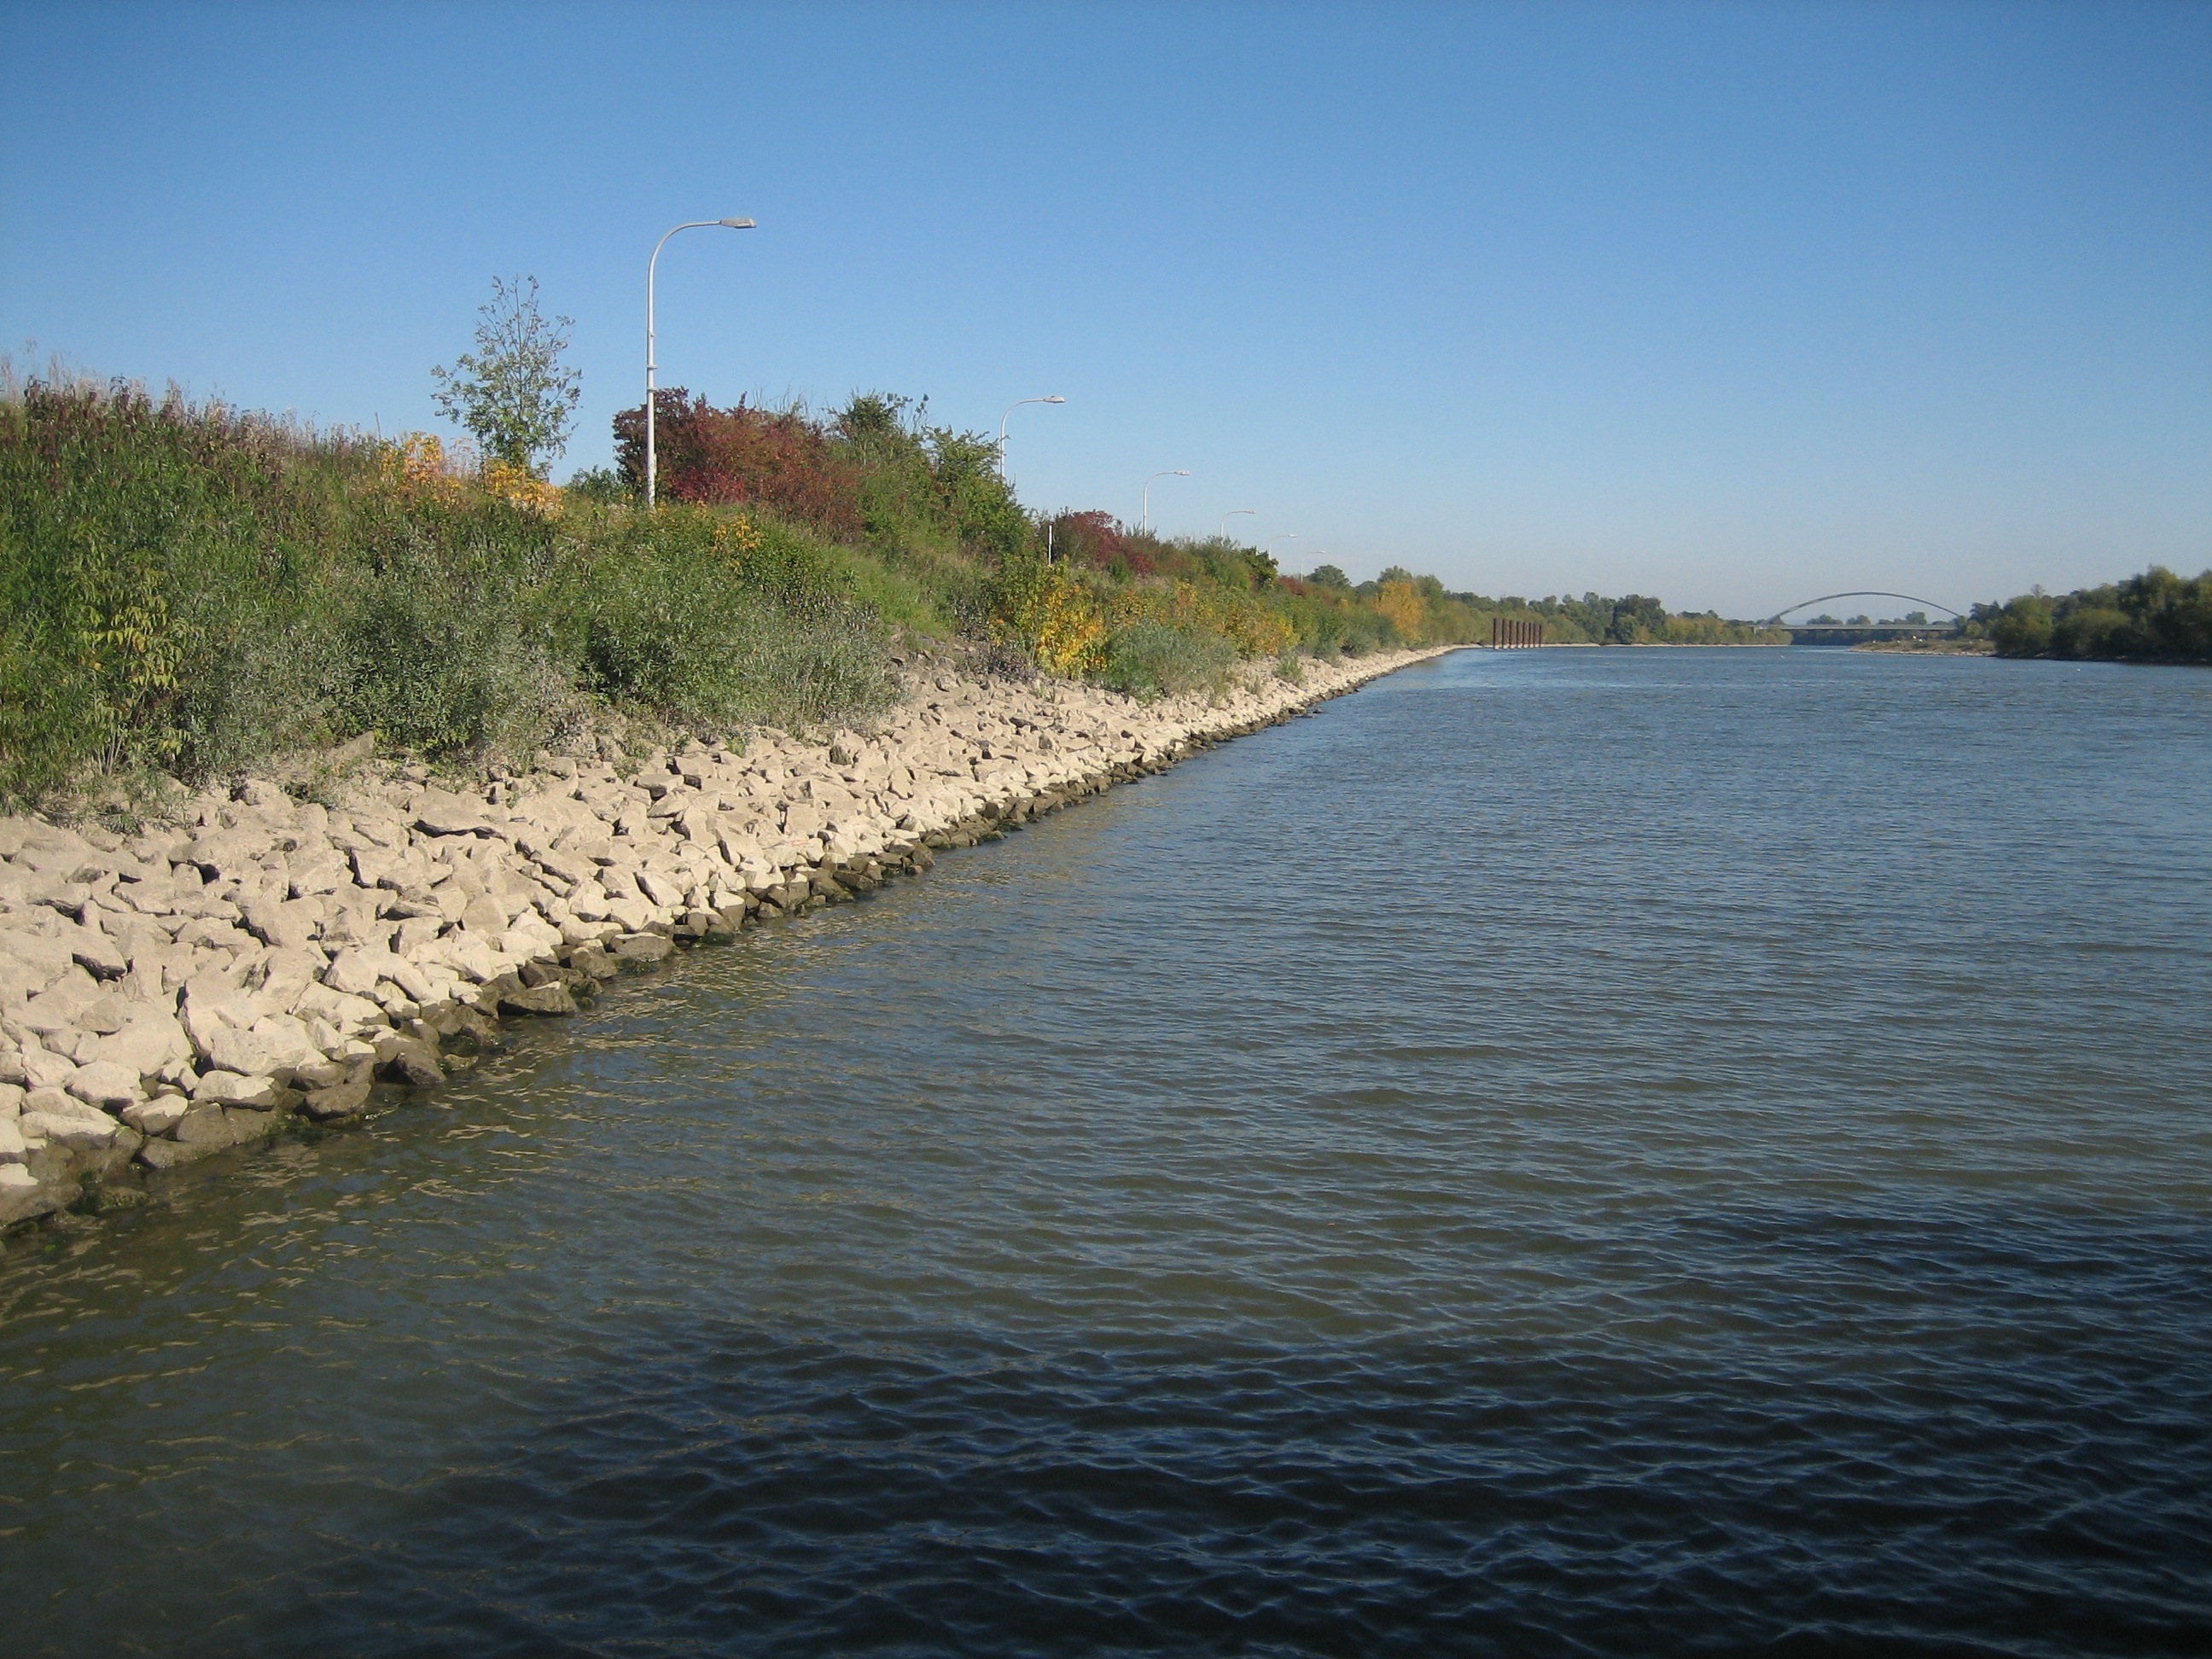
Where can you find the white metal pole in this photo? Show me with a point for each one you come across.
(1237, 512)
(1175, 472)
(651, 267)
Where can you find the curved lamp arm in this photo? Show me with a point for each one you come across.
(651, 267)
(1172, 472)
(1010, 408)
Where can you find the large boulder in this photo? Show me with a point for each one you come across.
(146, 1046)
(40, 1067)
(157, 1117)
(289, 925)
(23, 1197)
(205, 1123)
(50, 1115)
(439, 813)
(212, 1002)
(260, 1092)
(408, 1061)
(275, 1043)
(106, 1085)
(29, 962)
(97, 954)
(552, 997)
(341, 1100)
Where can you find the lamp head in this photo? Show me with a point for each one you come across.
(1055, 399)
(737, 224)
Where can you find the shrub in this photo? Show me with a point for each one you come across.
(1151, 659)
(2023, 628)
(193, 589)
(1053, 618)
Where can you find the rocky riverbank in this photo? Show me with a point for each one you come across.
(270, 960)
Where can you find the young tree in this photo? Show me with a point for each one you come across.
(511, 393)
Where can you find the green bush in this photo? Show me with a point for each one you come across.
(710, 641)
(192, 589)
(2023, 628)
(1152, 659)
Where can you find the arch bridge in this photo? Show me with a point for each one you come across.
(1886, 630)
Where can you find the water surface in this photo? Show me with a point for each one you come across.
(1577, 1153)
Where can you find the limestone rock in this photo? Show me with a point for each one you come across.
(146, 1046)
(106, 1085)
(272, 1044)
(220, 1088)
(29, 962)
(289, 926)
(485, 914)
(42, 1068)
(439, 813)
(355, 972)
(162, 1154)
(66, 1122)
(204, 1123)
(341, 1100)
(538, 1000)
(23, 1197)
(156, 1116)
(408, 1061)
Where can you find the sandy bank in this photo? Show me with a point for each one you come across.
(272, 960)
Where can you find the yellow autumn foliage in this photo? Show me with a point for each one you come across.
(522, 487)
(417, 465)
(1402, 602)
(1241, 618)
(1058, 620)
(737, 536)
(421, 466)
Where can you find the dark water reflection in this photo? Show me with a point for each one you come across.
(1566, 1153)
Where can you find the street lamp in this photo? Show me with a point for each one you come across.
(650, 266)
(1236, 512)
(1177, 472)
(1287, 536)
(1010, 408)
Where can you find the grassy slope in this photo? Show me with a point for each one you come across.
(190, 589)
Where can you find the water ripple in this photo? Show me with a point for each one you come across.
(1578, 1153)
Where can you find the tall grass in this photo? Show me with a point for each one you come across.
(192, 588)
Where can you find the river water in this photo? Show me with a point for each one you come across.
(1567, 1152)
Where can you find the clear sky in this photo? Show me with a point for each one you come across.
(1737, 304)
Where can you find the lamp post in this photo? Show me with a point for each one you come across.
(1010, 408)
(1287, 536)
(651, 266)
(1175, 472)
(1236, 512)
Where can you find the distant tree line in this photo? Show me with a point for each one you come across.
(2156, 617)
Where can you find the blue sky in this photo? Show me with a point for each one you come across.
(1734, 304)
